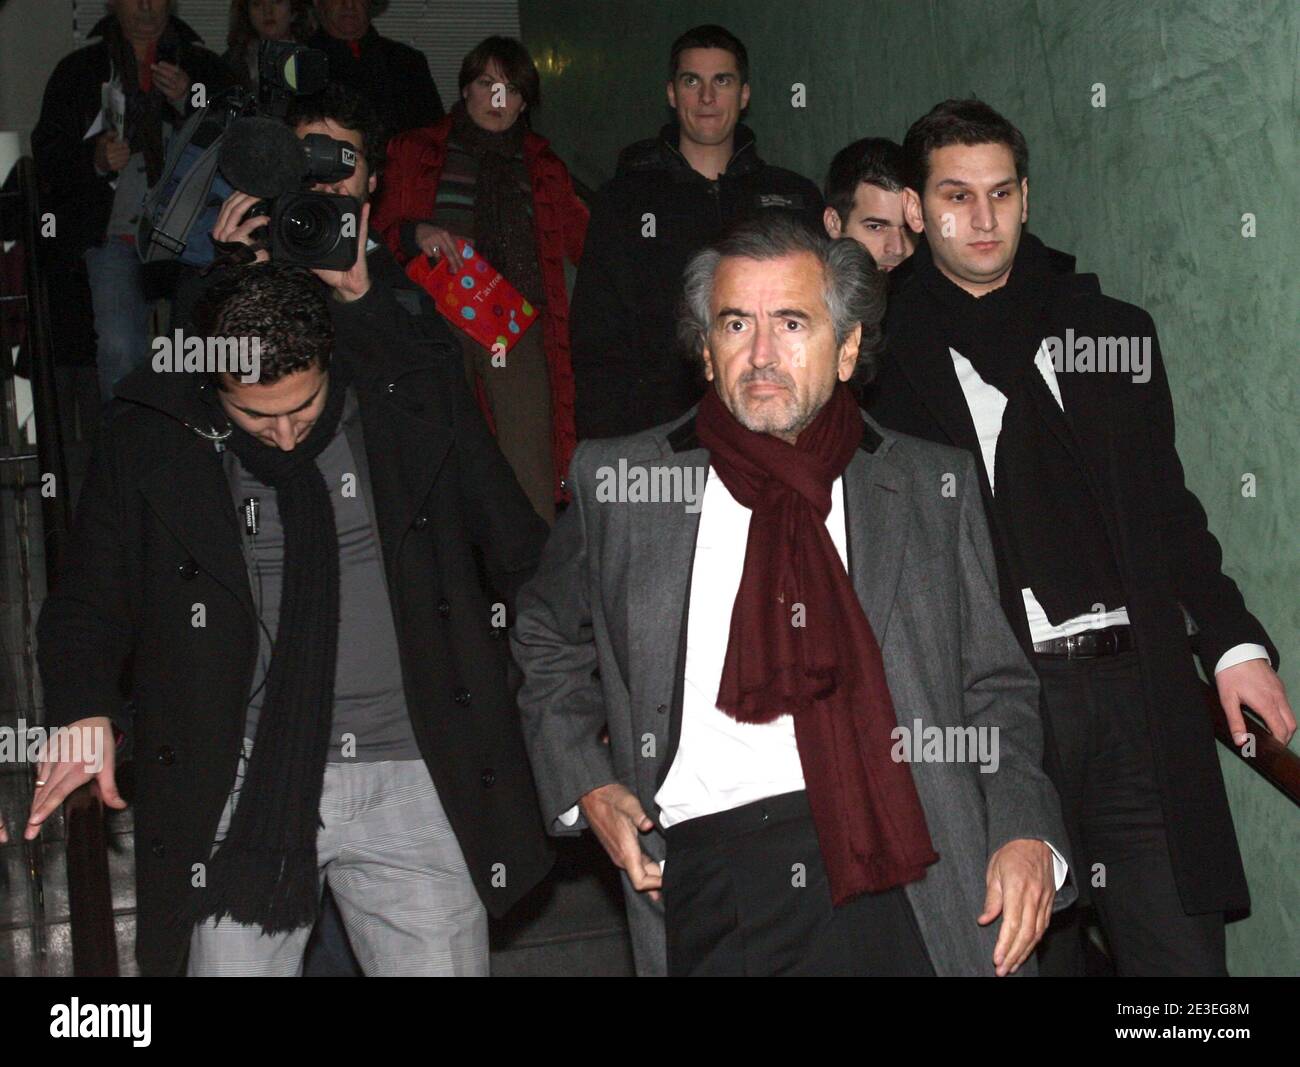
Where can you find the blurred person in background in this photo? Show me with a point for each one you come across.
(481, 175)
(394, 76)
(255, 21)
(94, 185)
(864, 200)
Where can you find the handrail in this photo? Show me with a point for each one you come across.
(1272, 761)
(90, 891)
(55, 507)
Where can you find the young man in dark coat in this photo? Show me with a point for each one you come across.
(287, 571)
(393, 76)
(995, 344)
(671, 195)
(93, 187)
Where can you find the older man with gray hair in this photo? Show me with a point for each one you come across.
(774, 704)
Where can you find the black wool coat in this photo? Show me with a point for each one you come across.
(1166, 554)
(156, 533)
(393, 76)
(70, 187)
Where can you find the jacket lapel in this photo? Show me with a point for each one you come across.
(930, 370)
(876, 499)
(413, 449)
(192, 499)
(663, 552)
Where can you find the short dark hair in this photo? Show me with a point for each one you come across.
(710, 36)
(345, 107)
(855, 289)
(874, 160)
(284, 307)
(966, 122)
(516, 64)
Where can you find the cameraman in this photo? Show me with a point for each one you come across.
(376, 277)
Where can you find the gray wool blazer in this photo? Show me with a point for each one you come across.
(599, 631)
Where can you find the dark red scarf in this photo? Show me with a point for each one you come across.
(828, 672)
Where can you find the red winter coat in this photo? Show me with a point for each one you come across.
(407, 193)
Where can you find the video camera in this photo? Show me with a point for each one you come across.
(242, 143)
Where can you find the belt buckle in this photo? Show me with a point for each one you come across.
(1071, 646)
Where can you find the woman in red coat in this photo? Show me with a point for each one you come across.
(481, 175)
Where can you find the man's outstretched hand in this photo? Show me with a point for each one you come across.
(61, 778)
(1255, 684)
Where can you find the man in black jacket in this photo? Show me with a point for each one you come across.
(152, 63)
(996, 345)
(671, 195)
(393, 76)
(327, 647)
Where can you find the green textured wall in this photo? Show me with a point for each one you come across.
(1199, 128)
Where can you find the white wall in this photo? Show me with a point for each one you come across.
(34, 36)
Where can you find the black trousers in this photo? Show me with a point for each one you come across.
(1112, 805)
(745, 893)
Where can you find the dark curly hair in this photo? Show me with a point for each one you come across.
(283, 307)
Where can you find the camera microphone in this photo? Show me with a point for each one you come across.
(262, 157)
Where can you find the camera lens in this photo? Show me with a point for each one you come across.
(309, 227)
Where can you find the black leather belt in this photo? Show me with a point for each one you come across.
(1089, 644)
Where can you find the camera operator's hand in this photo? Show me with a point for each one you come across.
(436, 242)
(172, 82)
(232, 226)
(111, 153)
(352, 284)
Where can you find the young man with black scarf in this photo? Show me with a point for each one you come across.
(285, 569)
(1098, 543)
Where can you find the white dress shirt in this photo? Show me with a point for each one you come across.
(720, 763)
(987, 405)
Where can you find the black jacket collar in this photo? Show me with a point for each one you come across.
(663, 153)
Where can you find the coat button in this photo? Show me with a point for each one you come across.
(488, 778)
(156, 847)
(461, 696)
(662, 709)
(187, 570)
(444, 609)
(420, 522)
(166, 755)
